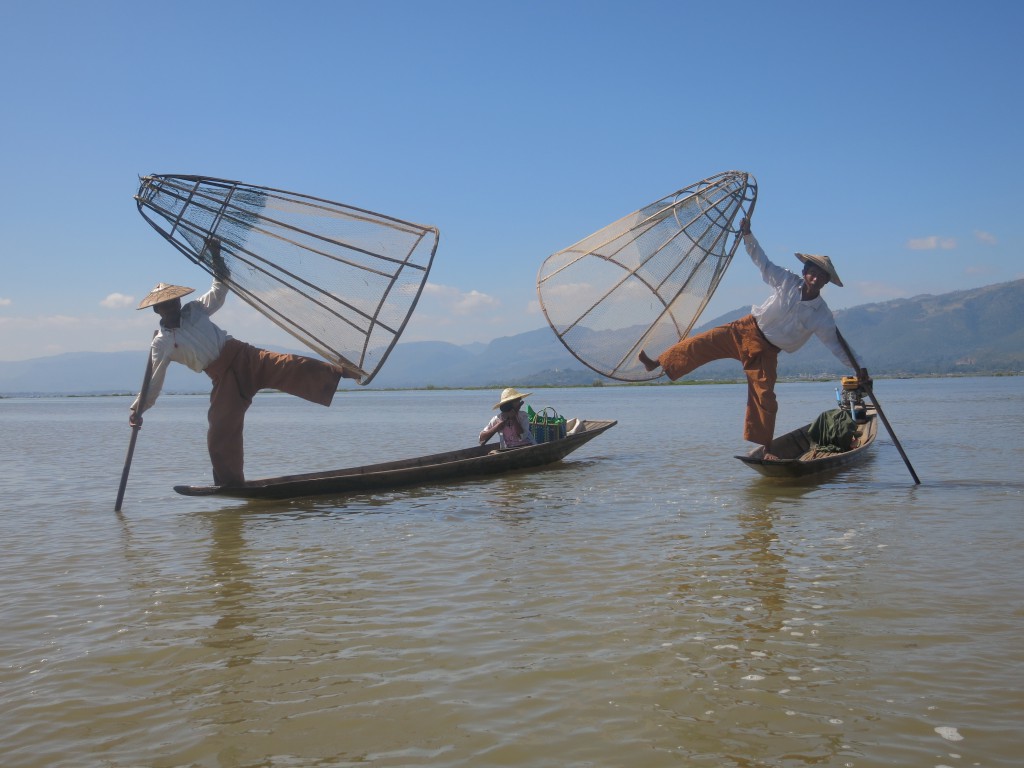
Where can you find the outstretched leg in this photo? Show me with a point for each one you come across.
(238, 374)
(691, 353)
(739, 340)
(304, 377)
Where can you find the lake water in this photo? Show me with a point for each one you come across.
(648, 602)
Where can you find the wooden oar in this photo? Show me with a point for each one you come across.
(135, 430)
(878, 409)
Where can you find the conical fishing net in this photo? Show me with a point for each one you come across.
(642, 282)
(341, 280)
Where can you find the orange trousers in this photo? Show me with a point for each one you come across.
(740, 340)
(238, 374)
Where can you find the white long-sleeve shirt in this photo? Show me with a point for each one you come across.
(197, 341)
(784, 318)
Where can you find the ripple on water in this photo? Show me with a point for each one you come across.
(648, 599)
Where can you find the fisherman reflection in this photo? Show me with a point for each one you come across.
(230, 574)
(238, 370)
(764, 570)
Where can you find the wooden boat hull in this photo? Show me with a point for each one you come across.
(792, 445)
(472, 462)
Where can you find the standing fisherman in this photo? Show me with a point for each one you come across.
(784, 322)
(238, 370)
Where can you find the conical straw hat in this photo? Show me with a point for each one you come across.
(164, 292)
(824, 262)
(510, 394)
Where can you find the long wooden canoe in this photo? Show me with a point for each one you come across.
(480, 460)
(792, 447)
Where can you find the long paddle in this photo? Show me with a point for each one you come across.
(135, 430)
(878, 408)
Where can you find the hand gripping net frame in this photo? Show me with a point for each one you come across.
(342, 280)
(642, 282)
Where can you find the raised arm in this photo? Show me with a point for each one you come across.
(771, 273)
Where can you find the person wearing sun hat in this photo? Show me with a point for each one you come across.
(238, 370)
(784, 322)
(512, 425)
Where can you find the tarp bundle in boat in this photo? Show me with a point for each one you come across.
(643, 281)
(342, 280)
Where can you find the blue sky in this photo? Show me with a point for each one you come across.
(885, 134)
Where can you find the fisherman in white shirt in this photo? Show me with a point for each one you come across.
(784, 322)
(238, 370)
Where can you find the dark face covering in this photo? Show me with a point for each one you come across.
(170, 312)
(508, 410)
(815, 278)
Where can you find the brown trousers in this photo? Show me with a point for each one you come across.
(740, 340)
(238, 374)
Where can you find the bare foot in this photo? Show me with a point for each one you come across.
(649, 364)
(770, 456)
(347, 373)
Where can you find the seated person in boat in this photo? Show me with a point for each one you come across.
(238, 370)
(785, 321)
(834, 431)
(512, 424)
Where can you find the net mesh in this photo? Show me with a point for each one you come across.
(342, 280)
(642, 282)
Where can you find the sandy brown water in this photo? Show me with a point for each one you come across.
(648, 602)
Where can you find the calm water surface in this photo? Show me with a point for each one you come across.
(648, 602)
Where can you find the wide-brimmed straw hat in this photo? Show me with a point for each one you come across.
(824, 262)
(164, 292)
(509, 395)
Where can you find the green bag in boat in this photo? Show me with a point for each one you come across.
(546, 425)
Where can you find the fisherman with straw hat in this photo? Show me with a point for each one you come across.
(238, 370)
(784, 322)
(512, 425)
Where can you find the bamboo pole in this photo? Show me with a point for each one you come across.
(878, 409)
(135, 430)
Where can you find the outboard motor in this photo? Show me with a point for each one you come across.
(851, 398)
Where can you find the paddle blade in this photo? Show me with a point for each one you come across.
(342, 280)
(643, 281)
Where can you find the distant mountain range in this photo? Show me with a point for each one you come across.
(974, 331)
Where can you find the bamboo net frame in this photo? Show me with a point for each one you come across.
(342, 280)
(642, 282)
